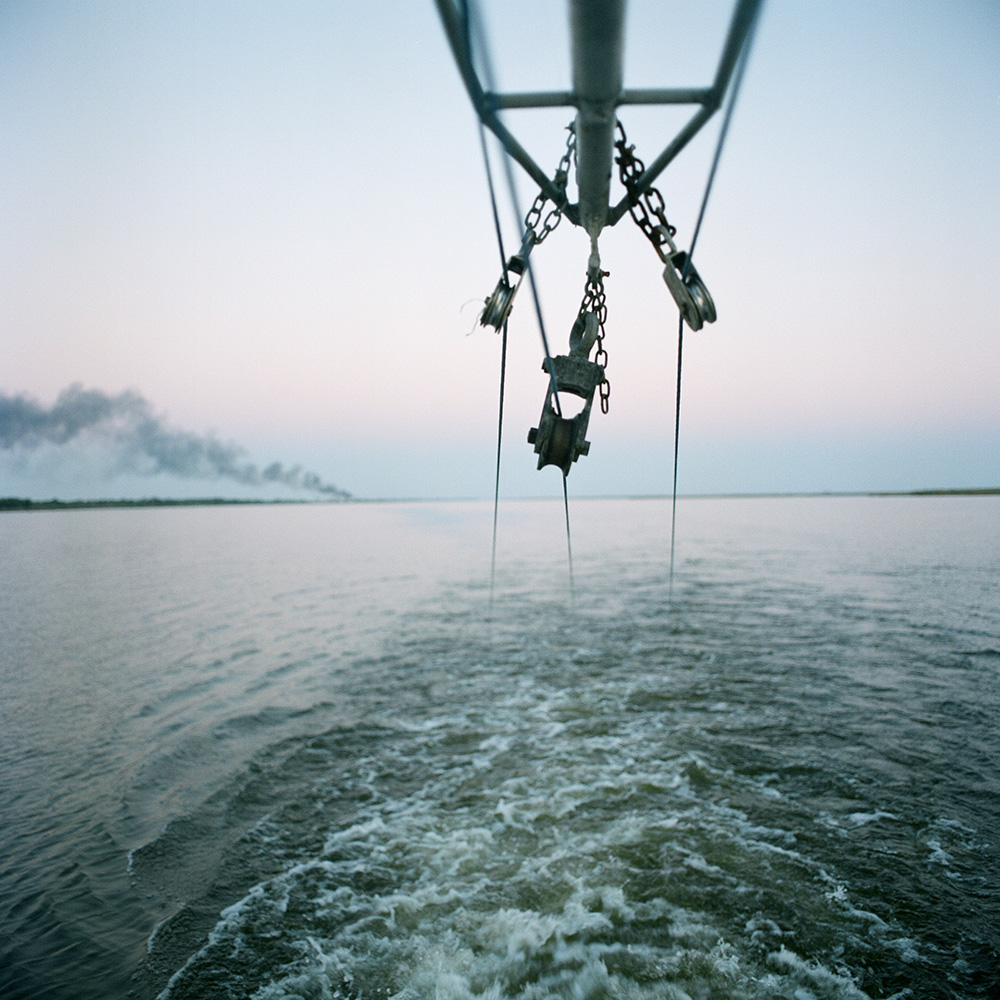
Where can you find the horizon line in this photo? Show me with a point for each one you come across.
(27, 503)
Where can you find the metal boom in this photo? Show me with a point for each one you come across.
(597, 30)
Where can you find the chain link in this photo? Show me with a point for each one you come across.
(536, 228)
(533, 221)
(647, 210)
(646, 206)
(594, 301)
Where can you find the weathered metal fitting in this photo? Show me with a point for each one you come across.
(498, 305)
(584, 334)
(689, 291)
(662, 234)
(559, 440)
(519, 262)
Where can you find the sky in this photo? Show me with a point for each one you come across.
(244, 245)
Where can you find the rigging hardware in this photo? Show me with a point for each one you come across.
(503, 364)
(536, 228)
(740, 65)
(597, 32)
(500, 303)
(594, 303)
(647, 209)
(561, 440)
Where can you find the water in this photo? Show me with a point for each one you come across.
(283, 752)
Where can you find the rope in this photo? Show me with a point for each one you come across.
(726, 119)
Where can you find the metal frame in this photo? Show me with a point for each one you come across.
(597, 30)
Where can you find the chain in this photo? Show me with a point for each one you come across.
(533, 221)
(648, 205)
(536, 228)
(594, 301)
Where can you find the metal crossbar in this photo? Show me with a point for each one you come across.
(597, 23)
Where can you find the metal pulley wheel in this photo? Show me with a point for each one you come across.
(498, 305)
(689, 291)
(700, 299)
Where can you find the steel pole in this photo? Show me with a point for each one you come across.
(597, 33)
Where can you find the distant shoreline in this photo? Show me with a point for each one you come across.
(22, 503)
(25, 504)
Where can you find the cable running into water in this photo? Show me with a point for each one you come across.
(503, 364)
(550, 367)
(569, 542)
(466, 35)
(727, 118)
(496, 478)
(677, 442)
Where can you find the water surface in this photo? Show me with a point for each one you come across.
(288, 751)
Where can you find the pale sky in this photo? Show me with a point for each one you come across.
(270, 220)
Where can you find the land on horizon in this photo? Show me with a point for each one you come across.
(27, 504)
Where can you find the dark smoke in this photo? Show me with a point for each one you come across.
(143, 443)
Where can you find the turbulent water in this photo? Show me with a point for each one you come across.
(301, 752)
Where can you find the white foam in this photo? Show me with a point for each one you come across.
(864, 818)
(815, 980)
(517, 866)
(938, 854)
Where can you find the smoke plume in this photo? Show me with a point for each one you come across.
(141, 441)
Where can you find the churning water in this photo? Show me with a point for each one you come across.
(288, 752)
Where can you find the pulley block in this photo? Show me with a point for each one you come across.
(500, 303)
(689, 291)
(559, 440)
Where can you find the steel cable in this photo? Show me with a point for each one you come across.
(503, 368)
(723, 131)
(467, 23)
